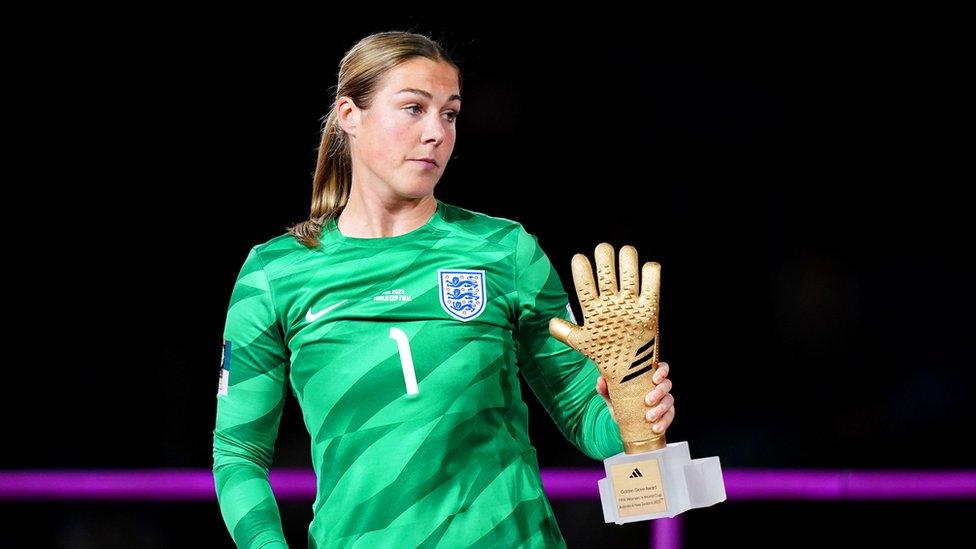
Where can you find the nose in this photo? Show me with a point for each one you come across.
(434, 129)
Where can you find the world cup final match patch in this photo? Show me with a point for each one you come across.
(224, 373)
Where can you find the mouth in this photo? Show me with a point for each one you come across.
(430, 161)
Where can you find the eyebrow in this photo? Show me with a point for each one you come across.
(426, 93)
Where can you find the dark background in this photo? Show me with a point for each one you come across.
(802, 179)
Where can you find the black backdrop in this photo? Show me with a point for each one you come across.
(799, 177)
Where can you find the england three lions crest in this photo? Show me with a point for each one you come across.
(462, 292)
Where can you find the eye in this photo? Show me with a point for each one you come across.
(452, 114)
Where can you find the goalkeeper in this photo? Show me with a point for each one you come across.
(400, 324)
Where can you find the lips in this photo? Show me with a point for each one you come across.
(429, 160)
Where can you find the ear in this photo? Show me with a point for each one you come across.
(348, 115)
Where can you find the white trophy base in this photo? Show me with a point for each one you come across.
(660, 483)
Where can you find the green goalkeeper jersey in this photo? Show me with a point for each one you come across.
(403, 353)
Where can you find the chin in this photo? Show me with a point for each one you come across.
(418, 189)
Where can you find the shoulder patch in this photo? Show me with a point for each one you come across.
(224, 373)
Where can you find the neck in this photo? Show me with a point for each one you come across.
(376, 217)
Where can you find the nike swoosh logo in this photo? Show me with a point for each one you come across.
(311, 317)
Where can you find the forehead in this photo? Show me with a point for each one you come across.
(438, 78)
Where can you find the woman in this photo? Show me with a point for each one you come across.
(400, 323)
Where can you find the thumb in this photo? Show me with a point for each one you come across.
(564, 331)
(601, 389)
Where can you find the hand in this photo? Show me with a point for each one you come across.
(661, 415)
(619, 335)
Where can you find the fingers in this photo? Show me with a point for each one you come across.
(563, 330)
(606, 268)
(661, 372)
(658, 393)
(661, 410)
(583, 280)
(629, 284)
(661, 425)
(651, 284)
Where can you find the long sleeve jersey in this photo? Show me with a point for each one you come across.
(403, 354)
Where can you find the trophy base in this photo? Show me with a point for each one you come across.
(659, 483)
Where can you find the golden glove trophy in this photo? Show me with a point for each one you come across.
(650, 479)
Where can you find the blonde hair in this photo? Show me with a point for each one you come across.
(360, 74)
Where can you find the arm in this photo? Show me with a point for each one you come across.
(563, 379)
(249, 411)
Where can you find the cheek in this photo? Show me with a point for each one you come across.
(399, 134)
(377, 143)
(391, 139)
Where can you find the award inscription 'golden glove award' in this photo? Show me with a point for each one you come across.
(650, 478)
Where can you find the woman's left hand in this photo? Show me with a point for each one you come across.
(661, 413)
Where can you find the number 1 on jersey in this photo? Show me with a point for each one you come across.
(406, 360)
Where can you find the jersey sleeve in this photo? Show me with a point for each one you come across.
(250, 398)
(562, 378)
